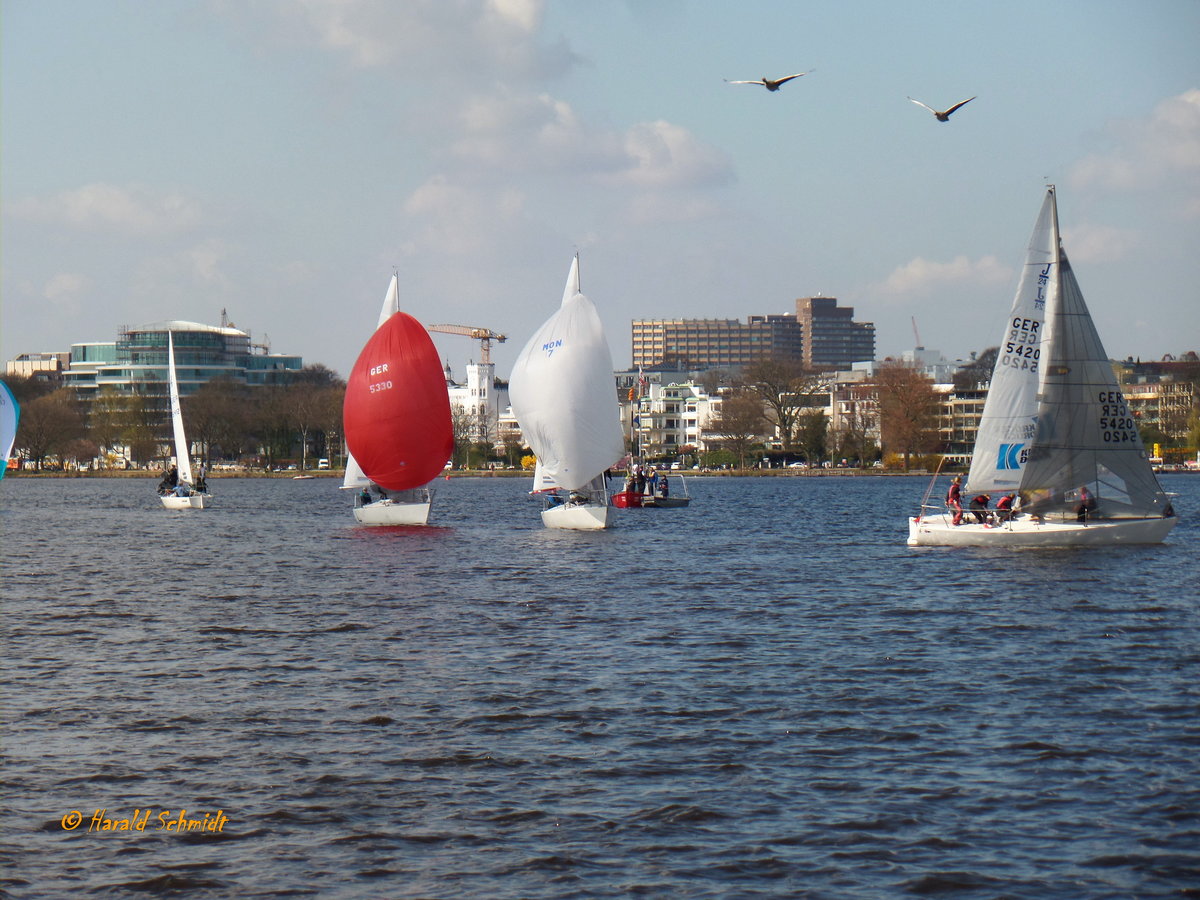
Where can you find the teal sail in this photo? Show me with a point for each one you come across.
(10, 415)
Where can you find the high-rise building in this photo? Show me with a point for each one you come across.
(695, 344)
(820, 333)
(833, 340)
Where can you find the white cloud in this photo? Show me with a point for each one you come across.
(136, 210)
(1161, 148)
(661, 154)
(511, 132)
(65, 286)
(1098, 243)
(921, 276)
(462, 39)
(461, 220)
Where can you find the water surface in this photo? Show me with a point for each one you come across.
(765, 695)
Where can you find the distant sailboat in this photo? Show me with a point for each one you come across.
(396, 418)
(565, 400)
(1056, 431)
(10, 415)
(183, 494)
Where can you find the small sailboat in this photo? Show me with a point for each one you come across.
(10, 415)
(396, 419)
(185, 493)
(565, 400)
(1056, 440)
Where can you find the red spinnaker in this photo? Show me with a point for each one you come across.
(397, 413)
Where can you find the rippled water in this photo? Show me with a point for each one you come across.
(765, 695)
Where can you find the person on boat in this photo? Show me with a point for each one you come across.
(663, 490)
(553, 499)
(954, 499)
(1004, 508)
(979, 507)
(364, 498)
(577, 498)
(181, 489)
(1087, 503)
(201, 481)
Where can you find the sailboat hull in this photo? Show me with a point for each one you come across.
(195, 501)
(392, 512)
(939, 531)
(576, 517)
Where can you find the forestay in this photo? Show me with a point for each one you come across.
(1010, 412)
(183, 459)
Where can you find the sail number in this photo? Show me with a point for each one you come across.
(1021, 350)
(384, 384)
(1116, 424)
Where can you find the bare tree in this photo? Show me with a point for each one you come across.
(908, 408)
(786, 388)
(740, 422)
(48, 426)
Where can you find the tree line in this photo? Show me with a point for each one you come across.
(226, 420)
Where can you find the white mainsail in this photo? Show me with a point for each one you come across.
(1086, 434)
(183, 460)
(563, 394)
(354, 477)
(1010, 412)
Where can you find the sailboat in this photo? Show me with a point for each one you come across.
(10, 415)
(1056, 439)
(565, 400)
(396, 420)
(183, 494)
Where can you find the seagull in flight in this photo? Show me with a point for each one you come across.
(771, 84)
(943, 116)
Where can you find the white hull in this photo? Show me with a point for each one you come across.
(576, 517)
(195, 501)
(393, 512)
(938, 531)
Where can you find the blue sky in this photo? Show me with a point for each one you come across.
(279, 158)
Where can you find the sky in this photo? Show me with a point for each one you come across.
(280, 159)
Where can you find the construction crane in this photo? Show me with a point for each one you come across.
(485, 336)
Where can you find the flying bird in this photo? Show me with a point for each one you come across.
(771, 84)
(944, 115)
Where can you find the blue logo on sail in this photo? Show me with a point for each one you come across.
(1011, 456)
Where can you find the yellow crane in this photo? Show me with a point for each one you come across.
(485, 336)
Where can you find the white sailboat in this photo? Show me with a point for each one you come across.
(565, 400)
(1056, 436)
(397, 420)
(184, 494)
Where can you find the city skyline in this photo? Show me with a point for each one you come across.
(280, 160)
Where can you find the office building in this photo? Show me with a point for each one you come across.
(698, 344)
(832, 339)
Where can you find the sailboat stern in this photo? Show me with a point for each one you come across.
(576, 517)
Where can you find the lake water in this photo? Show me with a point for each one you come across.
(765, 695)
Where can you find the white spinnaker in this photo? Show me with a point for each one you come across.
(563, 394)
